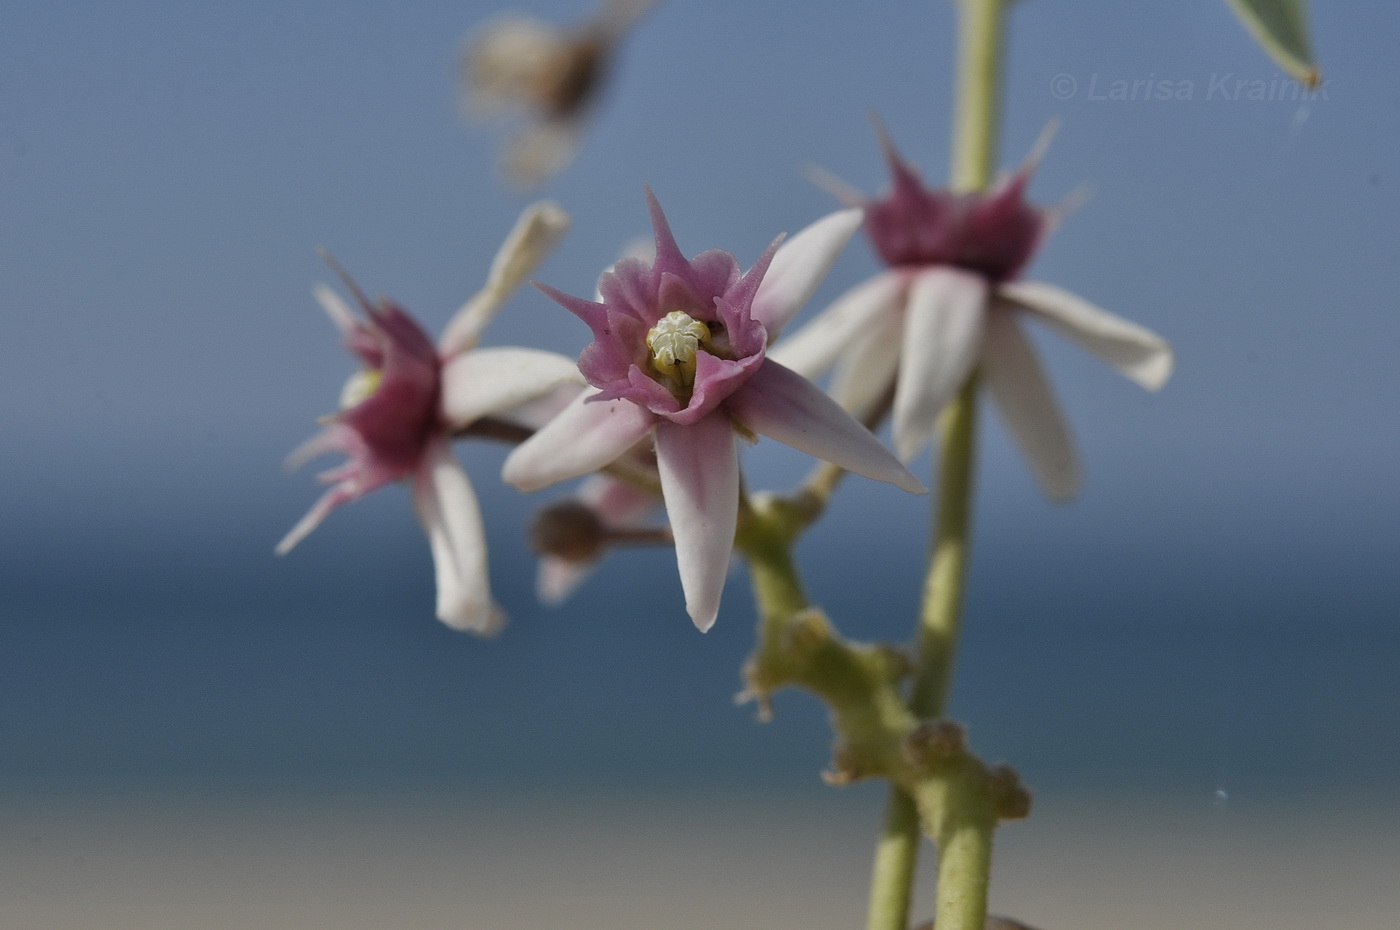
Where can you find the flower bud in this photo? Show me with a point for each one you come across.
(568, 530)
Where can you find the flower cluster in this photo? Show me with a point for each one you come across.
(683, 365)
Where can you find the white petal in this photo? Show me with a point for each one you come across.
(481, 382)
(813, 349)
(447, 508)
(585, 436)
(800, 265)
(337, 309)
(1028, 406)
(1135, 351)
(865, 377)
(699, 469)
(535, 235)
(943, 325)
(536, 413)
(783, 405)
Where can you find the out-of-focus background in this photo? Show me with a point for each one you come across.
(1194, 663)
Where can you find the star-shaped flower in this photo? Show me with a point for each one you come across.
(399, 414)
(679, 354)
(950, 301)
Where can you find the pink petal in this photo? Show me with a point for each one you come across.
(340, 494)
(557, 579)
(584, 437)
(813, 349)
(942, 339)
(668, 254)
(1028, 406)
(481, 382)
(1135, 351)
(800, 265)
(699, 469)
(783, 405)
(446, 506)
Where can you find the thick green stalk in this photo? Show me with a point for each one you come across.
(965, 852)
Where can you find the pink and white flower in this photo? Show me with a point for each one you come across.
(951, 302)
(398, 415)
(679, 354)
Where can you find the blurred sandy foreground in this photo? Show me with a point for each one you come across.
(671, 861)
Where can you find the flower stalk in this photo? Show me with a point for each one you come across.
(965, 842)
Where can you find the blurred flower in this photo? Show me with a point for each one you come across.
(551, 74)
(399, 414)
(678, 354)
(950, 302)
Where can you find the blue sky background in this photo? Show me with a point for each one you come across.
(1218, 609)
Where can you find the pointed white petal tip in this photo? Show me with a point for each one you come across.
(699, 470)
(1134, 351)
(703, 618)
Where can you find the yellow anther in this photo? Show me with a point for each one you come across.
(674, 342)
(360, 387)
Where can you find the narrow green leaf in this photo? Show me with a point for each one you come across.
(1281, 28)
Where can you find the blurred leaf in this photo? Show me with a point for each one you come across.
(1281, 27)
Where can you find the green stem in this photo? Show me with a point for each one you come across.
(964, 850)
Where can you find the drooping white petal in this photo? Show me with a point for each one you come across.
(585, 436)
(800, 265)
(699, 469)
(535, 235)
(782, 405)
(814, 348)
(336, 308)
(943, 324)
(481, 382)
(1135, 351)
(864, 379)
(1032, 415)
(446, 506)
